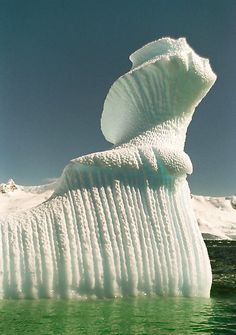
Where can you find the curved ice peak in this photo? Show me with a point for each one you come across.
(159, 48)
(157, 98)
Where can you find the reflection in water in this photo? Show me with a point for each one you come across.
(119, 316)
(134, 316)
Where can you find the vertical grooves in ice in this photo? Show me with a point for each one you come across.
(107, 238)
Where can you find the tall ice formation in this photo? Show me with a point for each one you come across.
(120, 222)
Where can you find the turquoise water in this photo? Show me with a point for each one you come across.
(123, 316)
(146, 315)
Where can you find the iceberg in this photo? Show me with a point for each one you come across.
(120, 222)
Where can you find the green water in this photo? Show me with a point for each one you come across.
(123, 316)
(147, 315)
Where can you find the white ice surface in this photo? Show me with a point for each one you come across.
(215, 215)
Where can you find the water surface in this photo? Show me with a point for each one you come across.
(144, 315)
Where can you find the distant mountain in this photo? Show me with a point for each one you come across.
(10, 186)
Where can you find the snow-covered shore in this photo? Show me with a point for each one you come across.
(16, 198)
(216, 216)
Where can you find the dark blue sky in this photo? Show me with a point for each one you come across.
(59, 58)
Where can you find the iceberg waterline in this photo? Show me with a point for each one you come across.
(120, 222)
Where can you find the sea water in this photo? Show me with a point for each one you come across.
(144, 315)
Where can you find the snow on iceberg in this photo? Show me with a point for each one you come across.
(120, 222)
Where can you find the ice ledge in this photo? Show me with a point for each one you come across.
(160, 163)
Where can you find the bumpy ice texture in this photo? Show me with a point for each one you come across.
(120, 222)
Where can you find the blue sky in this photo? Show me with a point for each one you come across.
(59, 58)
